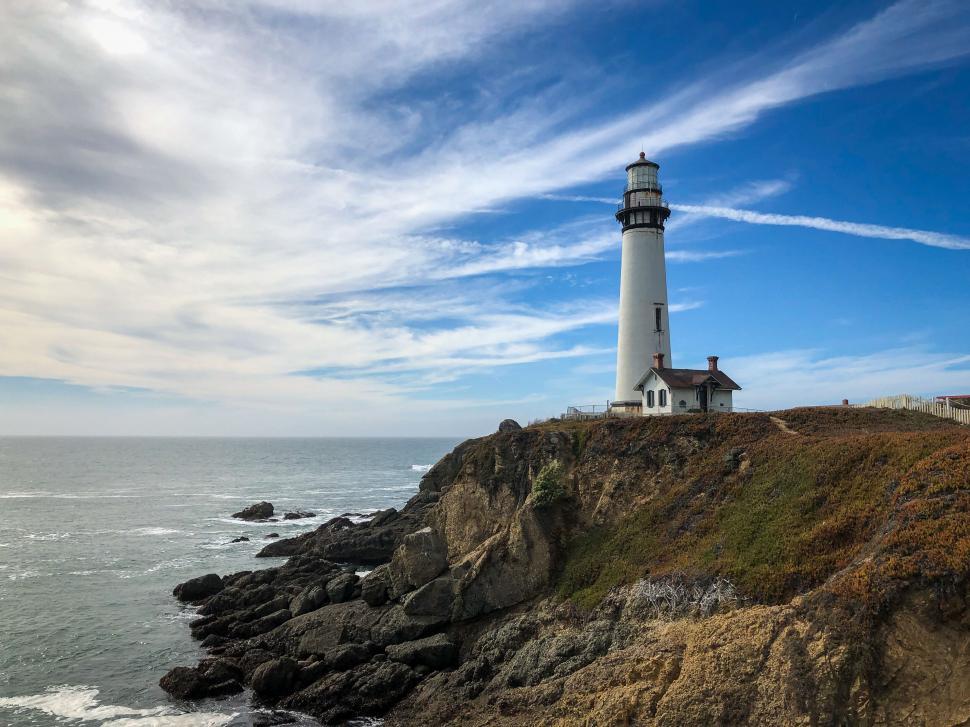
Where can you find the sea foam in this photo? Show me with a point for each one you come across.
(80, 703)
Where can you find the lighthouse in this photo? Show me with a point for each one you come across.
(644, 319)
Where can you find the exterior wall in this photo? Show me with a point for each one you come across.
(656, 385)
(643, 284)
(687, 396)
(722, 399)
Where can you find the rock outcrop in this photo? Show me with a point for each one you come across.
(259, 511)
(690, 570)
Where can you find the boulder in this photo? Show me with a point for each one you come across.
(434, 652)
(195, 589)
(184, 682)
(369, 689)
(241, 539)
(309, 599)
(374, 586)
(433, 600)
(298, 515)
(213, 641)
(252, 659)
(260, 626)
(347, 656)
(275, 678)
(272, 719)
(342, 587)
(509, 425)
(421, 557)
(259, 511)
(396, 626)
(273, 535)
(382, 517)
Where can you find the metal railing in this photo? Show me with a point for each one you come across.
(645, 205)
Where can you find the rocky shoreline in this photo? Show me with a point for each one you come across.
(457, 608)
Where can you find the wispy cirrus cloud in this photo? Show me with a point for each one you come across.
(810, 376)
(923, 237)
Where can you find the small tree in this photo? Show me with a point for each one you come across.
(547, 487)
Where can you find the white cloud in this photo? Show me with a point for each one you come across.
(805, 377)
(924, 237)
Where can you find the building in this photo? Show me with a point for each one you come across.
(681, 391)
(644, 327)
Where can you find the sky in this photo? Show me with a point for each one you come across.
(382, 218)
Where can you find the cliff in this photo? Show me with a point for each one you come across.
(808, 567)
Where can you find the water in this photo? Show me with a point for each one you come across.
(95, 532)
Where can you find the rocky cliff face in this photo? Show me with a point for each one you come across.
(731, 569)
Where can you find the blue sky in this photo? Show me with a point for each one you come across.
(284, 217)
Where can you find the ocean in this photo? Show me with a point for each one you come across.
(95, 533)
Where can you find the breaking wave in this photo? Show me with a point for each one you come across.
(420, 467)
(80, 704)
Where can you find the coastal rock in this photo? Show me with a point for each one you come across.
(348, 656)
(396, 626)
(272, 535)
(193, 683)
(196, 589)
(261, 625)
(509, 425)
(367, 690)
(421, 557)
(275, 678)
(272, 719)
(310, 599)
(435, 652)
(368, 543)
(341, 588)
(259, 511)
(298, 515)
(241, 539)
(374, 586)
(382, 517)
(184, 682)
(433, 600)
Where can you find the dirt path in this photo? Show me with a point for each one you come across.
(782, 425)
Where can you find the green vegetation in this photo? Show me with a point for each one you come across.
(548, 488)
(797, 510)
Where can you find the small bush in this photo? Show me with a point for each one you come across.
(547, 487)
(669, 598)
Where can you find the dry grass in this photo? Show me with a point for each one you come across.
(782, 514)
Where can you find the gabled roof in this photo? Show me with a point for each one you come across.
(688, 378)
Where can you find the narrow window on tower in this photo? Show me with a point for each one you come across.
(657, 319)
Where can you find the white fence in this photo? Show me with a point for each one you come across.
(927, 406)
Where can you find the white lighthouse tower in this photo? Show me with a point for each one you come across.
(644, 323)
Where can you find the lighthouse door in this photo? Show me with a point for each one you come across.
(702, 397)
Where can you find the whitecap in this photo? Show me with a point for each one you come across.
(80, 703)
(154, 531)
(420, 467)
(23, 575)
(48, 536)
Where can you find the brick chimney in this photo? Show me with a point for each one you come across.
(712, 363)
(658, 360)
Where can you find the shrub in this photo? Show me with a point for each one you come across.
(547, 487)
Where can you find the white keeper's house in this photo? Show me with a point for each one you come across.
(646, 382)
